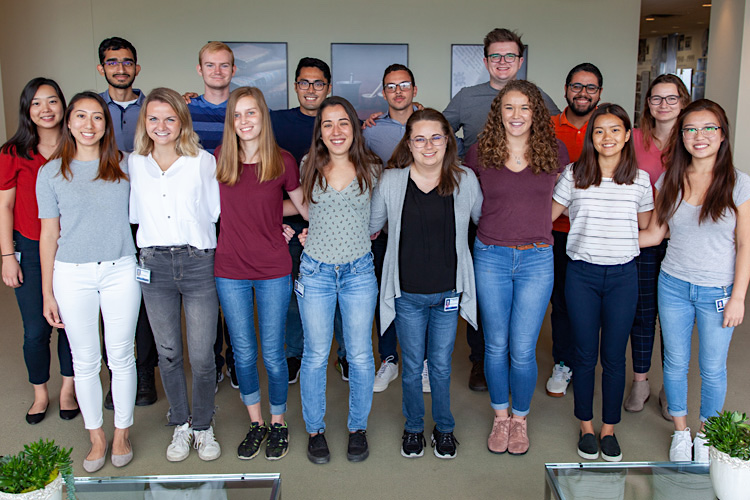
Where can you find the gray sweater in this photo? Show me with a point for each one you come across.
(387, 205)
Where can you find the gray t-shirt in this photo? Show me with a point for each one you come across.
(339, 222)
(93, 214)
(704, 254)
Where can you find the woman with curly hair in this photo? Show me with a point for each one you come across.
(516, 161)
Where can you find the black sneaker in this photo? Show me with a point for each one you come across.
(610, 448)
(232, 374)
(294, 364)
(219, 378)
(317, 449)
(357, 450)
(278, 441)
(342, 366)
(444, 444)
(250, 446)
(108, 403)
(413, 444)
(146, 394)
(587, 446)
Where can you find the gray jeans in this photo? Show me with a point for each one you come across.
(183, 274)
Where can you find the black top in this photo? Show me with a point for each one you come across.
(427, 251)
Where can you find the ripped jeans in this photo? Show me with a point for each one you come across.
(183, 275)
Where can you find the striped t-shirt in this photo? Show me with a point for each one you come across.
(208, 122)
(604, 218)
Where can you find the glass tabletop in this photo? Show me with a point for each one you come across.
(198, 486)
(628, 480)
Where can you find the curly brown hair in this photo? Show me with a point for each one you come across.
(541, 151)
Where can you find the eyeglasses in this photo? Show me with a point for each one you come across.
(657, 99)
(305, 84)
(127, 63)
(436, 140)
(692, 132)
(391, 87)
(509, 57)
(578, 87)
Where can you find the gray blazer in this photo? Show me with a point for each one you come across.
(387, 205)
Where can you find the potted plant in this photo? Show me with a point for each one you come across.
(728, 435)
(37, 473)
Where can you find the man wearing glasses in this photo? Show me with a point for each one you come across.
(118, 64)
(583, 89)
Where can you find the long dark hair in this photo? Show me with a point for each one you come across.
(26, 139)
(450, 172)
(366, 163)
(677, 160)
(586, 171)
(109, 155)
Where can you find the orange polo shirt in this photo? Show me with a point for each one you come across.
(572, 137)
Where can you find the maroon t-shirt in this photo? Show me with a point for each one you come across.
(517, 206)
(251, 243)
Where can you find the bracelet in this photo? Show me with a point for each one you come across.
(7, 254)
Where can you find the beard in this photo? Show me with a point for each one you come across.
(120, 85)
(582, 112)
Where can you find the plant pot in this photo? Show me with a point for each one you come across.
(730, 476)
(53, 491)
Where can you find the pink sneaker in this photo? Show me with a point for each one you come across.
(498, 440)
(518, 439)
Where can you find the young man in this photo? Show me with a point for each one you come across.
(583, 89)
(118, 64)
(399, 90)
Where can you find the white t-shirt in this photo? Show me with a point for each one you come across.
(604, 218)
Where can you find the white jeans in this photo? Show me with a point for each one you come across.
(81, 290)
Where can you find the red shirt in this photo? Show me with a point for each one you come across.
(573, 138)
(20, 173)
(251, 244)
(650, 160)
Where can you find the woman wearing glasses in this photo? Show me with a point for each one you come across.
(428, 276)
(516, 161)
(703, 201)
(665, 98)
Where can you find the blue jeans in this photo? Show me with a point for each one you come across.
(681, 304)
(421, 319)
(513, 290)
(184, 275)
(600, 299)
(236, 297)
(353, 286)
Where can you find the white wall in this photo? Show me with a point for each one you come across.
(59, 38)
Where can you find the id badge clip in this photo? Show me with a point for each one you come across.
(143, 275)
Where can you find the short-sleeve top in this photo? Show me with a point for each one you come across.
(93, 213)
(339, 222)
(704, 254)
(648, 160)
(20, 173)
(251, 243)
(604, 218)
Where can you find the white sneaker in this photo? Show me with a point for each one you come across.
(208, 448)
(700, 448)
(388, 371)
(681, 449)
(425, 378)
(557, 385)
(181, 440)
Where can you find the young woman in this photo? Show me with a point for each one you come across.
(88, 264)
(39, 131)
(427, 199)
(665, 98)
(252, 260)
(608, 199)
(702, 201)
(516, 161)
(175, 202)
(336, 267)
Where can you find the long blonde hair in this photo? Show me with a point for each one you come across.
(188, 143)
(229, 164)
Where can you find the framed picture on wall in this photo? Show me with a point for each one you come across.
(262, 65)
(358, 72)
(467, 66)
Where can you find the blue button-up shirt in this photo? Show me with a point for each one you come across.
(383, 138)
(124, 120)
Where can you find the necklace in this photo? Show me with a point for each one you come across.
(518, 159)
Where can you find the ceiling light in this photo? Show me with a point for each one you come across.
(706, 5)
(650, 19)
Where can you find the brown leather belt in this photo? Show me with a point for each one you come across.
(531, 245)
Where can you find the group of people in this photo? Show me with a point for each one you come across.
(655, 220)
